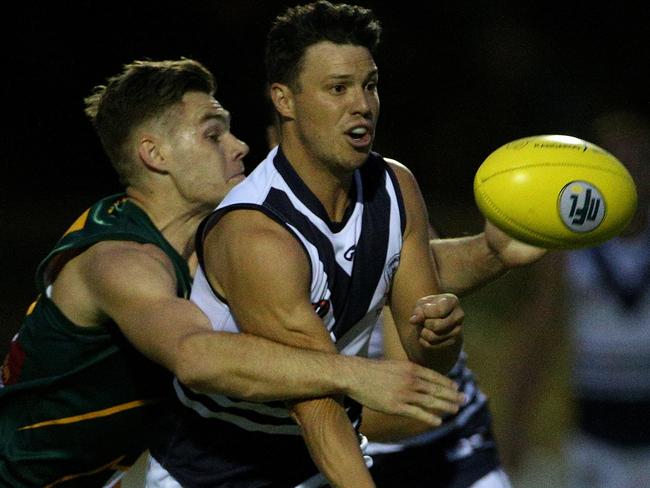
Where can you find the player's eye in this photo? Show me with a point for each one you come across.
(372, 86)
(215, 136)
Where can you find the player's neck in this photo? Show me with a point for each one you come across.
(329, 184)
(175, 220)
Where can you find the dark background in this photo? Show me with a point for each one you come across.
(457, 80)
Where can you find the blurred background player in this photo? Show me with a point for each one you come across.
(600, 298)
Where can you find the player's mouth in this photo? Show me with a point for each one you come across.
(360, 136)
(238, 177)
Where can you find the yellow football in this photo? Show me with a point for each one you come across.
(555, 191)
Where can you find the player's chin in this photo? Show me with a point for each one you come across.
(358, 156)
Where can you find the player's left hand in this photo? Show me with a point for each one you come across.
(511, 252)
(440, 317)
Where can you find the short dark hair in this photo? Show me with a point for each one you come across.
(304, 25)
(142, 90)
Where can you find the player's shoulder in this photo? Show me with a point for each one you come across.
(109, 268)
(395, 164)
(114, 254)
(400, 169)
(255, 227)
(404, 175)
(250, 241)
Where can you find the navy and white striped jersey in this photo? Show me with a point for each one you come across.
(352, 263)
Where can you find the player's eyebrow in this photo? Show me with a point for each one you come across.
(371, 75)
(221, 116)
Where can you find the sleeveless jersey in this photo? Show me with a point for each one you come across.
(77, 404)
(352, 263)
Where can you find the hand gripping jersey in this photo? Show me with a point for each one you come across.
(352, 263)
(77, 404)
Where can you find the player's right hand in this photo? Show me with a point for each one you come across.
(400, 387)
(440, 318)
(511, 252)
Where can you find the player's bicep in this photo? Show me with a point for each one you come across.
(416, 274)
(266, 281)
(392, 344)
(134, 285)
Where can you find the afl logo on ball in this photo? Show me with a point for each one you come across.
(581, 206)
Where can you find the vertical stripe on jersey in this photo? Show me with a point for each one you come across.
(370, 256)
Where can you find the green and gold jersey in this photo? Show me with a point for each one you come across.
(78, 405)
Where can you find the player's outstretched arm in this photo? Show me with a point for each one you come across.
(467, 263)
(396, 387)
(267, 285)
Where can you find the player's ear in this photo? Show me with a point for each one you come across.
(149, 150)
(282, 98)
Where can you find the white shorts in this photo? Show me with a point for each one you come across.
(494, 479)
(158, 477)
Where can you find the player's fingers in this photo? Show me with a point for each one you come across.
(434, 338)
(437, 342)
(449, 394)
(443, 392)
(433, 377)
(421, 414)
(432, 306)
(445, 325)
(436, 404)
(418, 315)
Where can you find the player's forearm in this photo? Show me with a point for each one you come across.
(465, 263)
(238, 365)
(332, 442)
